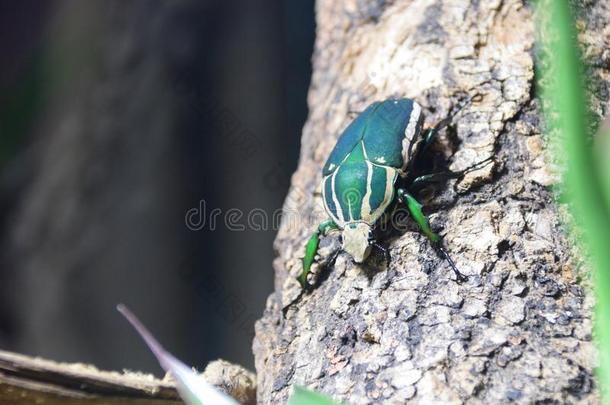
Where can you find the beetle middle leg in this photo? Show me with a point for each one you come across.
(415, 209)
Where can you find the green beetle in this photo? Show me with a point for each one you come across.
(370, 172)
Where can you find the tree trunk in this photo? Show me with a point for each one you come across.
(520, 328)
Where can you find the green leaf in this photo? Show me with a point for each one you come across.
(303, 396)
(587, 181)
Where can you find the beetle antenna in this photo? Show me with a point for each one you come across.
(459, 276)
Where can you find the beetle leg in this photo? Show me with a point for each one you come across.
(312, 248)
(415, 209)
(458, 275)
(430, 134)
(433, 178)
(446, 175)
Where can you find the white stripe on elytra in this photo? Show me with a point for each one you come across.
(328, 210)
(389, 187)
(365, 209)
(336, 200)
(389, 192)
(349, 208)
(366, 155)
(410, 133)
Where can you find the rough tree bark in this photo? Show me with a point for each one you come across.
(520, 328)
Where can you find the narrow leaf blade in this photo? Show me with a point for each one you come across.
(303, 396)
(191, 386)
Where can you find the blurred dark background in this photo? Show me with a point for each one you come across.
(121, 121)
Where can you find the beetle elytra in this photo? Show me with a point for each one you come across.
(370, 171)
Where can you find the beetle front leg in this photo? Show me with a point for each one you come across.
(446, 175)
(415, 209)
(312, 247)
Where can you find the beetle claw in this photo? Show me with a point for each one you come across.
(460, 277)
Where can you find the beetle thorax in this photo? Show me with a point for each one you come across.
(356, 240)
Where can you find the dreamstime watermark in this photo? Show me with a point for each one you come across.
(292, 219)
(256, 219)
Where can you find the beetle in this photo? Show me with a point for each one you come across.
(371, 171)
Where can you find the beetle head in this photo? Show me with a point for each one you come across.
(357, 240)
